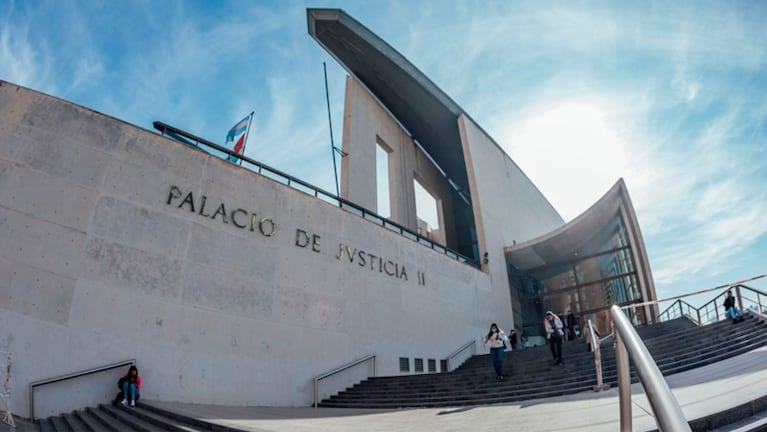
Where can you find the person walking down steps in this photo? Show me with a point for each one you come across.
(554, 333)
(496, 338)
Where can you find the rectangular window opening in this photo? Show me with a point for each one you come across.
(383, 196)
(418, 365)
(426, 210)
(404, 364)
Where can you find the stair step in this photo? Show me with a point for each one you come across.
(92, 423)
(198, 423)
(74, 423)
(46, 425)
(121, 414)
(167, 423)
(108, 422)
(59, 425)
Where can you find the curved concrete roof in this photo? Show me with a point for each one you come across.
(582, 236)
(424, 110)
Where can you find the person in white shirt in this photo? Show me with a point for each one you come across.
(496, 338)
(554, 333)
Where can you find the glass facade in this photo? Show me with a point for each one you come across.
(585, 282)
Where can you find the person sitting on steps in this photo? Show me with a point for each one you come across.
(131, 386)
(730, 309)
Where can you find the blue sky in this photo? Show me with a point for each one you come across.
(671, 97)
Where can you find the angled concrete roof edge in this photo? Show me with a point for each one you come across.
(315, 14)
(398, 60)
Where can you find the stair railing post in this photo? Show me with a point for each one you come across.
(699, 321)
(596, 349)
(740, 299)
(681, 311)
(624, 382)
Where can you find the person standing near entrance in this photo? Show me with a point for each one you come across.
(570, 325)
(554, 333)
(730, 309)
(496, 339)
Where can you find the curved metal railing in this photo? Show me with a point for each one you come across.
(318, 378)
(668, 413)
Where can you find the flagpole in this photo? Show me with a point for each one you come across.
(332, 145)
(247, 133)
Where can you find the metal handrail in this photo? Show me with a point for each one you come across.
(628, 344)
(341, 369)
(472, 343)
(69, 376)
(710, 309)
(679, 308)
(762, 307)
(309, 189)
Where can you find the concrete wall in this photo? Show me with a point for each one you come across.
(508, 207)
(365, 123)
(102, 260)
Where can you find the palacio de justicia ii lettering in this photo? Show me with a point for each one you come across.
(243, 219)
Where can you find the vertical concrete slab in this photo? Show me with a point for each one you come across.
(507, 206)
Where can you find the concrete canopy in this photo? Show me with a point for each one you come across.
(425, 111)
(582, 236)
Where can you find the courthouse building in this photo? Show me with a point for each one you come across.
(240, 285)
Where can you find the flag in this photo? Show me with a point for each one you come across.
(235, 138)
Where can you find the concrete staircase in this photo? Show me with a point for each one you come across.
(676, 346)
(142, 418)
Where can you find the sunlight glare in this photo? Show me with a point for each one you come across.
(572, 152)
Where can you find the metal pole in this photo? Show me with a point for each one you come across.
(624, 382)
(668, 413)
(740, 299)
(316, 383)
(247, 132)
(330, 123)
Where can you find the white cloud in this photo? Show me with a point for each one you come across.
(20, 61)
